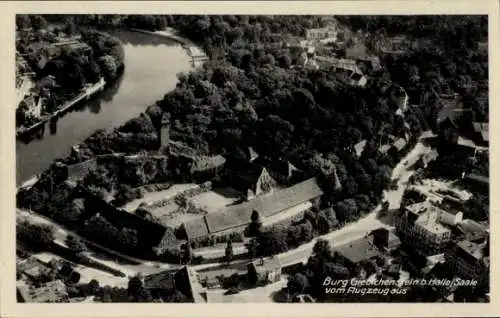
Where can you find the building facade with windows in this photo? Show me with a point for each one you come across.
(419, 226)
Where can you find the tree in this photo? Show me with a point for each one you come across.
(255, 225)
(70, 27)
(134, 285)
(252, 248)
(75, 244)
(298, 283)
(128, 238)
(125, 193)
(347, 210)
(229, 251)
(37, 235)
(323, 225)
(187, 253)
(322, 249)
(108, 66)
(93, 287)
(23, 21)
(38, 22)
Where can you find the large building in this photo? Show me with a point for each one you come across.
(319, 34)
(51, 292)
(470, 260)
(420, 226)
(237, 217)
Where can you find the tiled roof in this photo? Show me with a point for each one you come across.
(196, 228)
(358, 250)
(51, 292)
(162, 280)
(266, 205)
(400, 144)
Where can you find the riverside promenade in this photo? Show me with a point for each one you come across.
(86, 93)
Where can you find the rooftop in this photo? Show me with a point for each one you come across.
(473, 249)
(267, 205)
(425, 215)
(358, 250)
(399, 144)
(477, 178)
(51, 292)
(359, 147)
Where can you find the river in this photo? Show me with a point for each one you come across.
(151, 68)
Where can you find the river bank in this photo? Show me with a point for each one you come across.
(86, 93)
(151, 71)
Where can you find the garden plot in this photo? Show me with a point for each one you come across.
(214, 200)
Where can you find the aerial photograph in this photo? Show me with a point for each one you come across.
(252, 158)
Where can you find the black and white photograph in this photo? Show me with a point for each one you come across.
(232, 158)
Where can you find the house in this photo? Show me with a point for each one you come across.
(282, 171)
(470, 260)
(472, 230)
(357, 251)
(397, 147)
(237, 217)
(450, 217)
(327, 33)
(266, 271)
(359, 147)
(358, 79)
(482, 182)
(247, 177)
(51, 292)
(32, 104)
(184, 280)
(385, 240)
(419, 226)
(35, 270)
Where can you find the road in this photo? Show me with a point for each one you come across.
(61, 233)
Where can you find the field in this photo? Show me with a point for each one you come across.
(215, 200)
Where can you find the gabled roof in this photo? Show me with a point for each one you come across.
(267, 205)
(163, 280)
(359, 147)
(400, 144)
(196, 228)
(358, 250)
